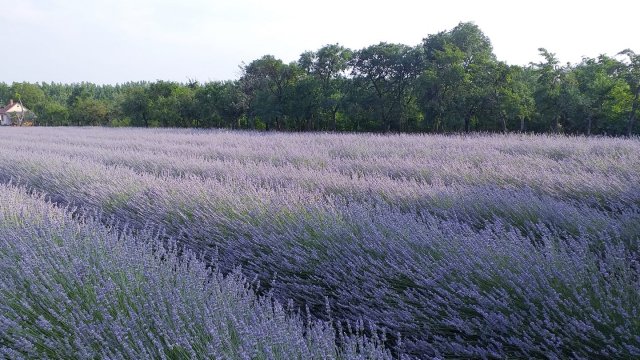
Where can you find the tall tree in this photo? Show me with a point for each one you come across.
(136, 105)
(460, 74)
(265, 83)
(5, 93)
(548, 88)
(221, 104)
(328, 67)
(632, 75)
(54, 114)
(390, 71)
(596, 80)
(89, 111)
(31, 95)
(515, 97)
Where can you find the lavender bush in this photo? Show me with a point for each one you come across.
(480, 246)
(74, 290)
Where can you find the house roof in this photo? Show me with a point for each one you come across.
(7, 108)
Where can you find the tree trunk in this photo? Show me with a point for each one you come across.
(634, 109)
(333, 118)
(522, 124)
(504, 123)
(589, 118)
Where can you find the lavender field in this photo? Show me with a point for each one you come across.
(484, 246)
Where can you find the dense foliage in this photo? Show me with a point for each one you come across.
(451, 82)
(459, 246)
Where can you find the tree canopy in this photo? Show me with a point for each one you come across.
(450, 82)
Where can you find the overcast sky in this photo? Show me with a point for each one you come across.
(117, 41)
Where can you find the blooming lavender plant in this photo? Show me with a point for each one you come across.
(479, 246)
(75, 290)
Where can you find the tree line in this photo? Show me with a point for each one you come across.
(451, 82)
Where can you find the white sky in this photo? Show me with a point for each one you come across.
(117, 41)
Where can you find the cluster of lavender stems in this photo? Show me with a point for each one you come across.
(486, 246)
(74, 289)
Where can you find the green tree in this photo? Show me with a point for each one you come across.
(30, 96)
(207, 98)
(460, 75)
(265, 82)
(515, 97)
(328, 69)
(389, 72)
(136, 105)
(632, 76)
(596, 81)
(548, 89)
(89, 111)
(185, 105)
(232, 104)
(304, 104)
(56, 92)
(5, 93)
(220, 104)
(80, 91)
(54, 114)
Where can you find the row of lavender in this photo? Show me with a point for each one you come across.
(74, 289)
(364, 161)
(410, 172)
(467, 246)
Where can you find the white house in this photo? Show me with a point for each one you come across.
(11, 111)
